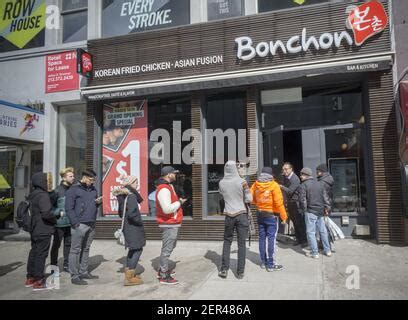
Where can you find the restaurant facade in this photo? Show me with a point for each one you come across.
(307, 85)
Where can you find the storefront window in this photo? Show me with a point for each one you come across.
(172, 115)
(321, 125)
(269, 5)
(121, 17)
(223, 112)
(75, 20)
(72, 138)
(222, 9)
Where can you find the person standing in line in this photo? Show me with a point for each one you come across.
(133, 229)
(42, 228)
(267, 197)
(169, 216)
(63, 226)
(313, 204)
(81, 205)
(291, 185)
(327, 181)
(235, 193)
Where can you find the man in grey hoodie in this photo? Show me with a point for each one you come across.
(235, 193)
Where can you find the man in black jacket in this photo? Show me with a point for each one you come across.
(81, 205)
(314, 205)
(327, 181)
(42, 228)
(291, 185)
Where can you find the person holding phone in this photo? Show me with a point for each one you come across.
(169, 217)
(81, 206)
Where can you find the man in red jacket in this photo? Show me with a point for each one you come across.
(169, 217)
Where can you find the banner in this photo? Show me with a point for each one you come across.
(22, 24)
(61, 73)
(125, 151)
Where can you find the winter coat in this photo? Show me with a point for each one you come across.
(327, 183)
(133, 228)
(80, 204)
(169, 212)
(291, 188)
(267, 197)
(311, 197)
(42, 219)
(58, 202)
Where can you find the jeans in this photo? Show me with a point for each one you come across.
(169, 238)
(133, 258)
(81, 240)
(268, 228)
(241, 224)
(61, 233)
(312, 221)
(40, 246)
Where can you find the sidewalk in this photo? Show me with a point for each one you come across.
(383, 273)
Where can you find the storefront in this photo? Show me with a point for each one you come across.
(21, 155)
(307, 86)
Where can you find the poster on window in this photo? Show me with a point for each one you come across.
(124, 151)
(222, 9)
(123, 17)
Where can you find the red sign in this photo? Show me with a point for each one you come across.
(367, 20)
(125, 151)
(84, 63)
(61, 72)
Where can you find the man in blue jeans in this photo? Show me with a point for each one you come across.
(314, 205)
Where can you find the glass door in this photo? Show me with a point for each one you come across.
(273, 149)
(7, 165)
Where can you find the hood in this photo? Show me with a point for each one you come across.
(43, 181)
(120, 191)
(231, 170)
(265, 177)
(326, 177)
(263, 186)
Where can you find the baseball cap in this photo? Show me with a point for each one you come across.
(167, 170)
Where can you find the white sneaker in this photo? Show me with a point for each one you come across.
(328, 254)
(313, 256)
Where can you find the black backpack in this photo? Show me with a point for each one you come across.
(23, 217)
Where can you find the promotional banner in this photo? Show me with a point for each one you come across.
(21, 123)
(61, 72)
(123, 17)
(22, 24)
(125, 151)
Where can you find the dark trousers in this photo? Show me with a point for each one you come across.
(133, 258)
(240, 224)
(298, 222)
(61, 233)
(40, 246)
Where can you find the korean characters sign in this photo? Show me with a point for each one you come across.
(61, 73)
(124, 151)
(367, 20)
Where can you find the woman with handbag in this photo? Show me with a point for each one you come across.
(133, 229)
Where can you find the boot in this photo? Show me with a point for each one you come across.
(130, 279)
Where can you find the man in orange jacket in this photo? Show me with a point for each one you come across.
(267, 197)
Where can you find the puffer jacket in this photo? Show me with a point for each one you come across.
(43, 219)
(133, 229)
(267, 197)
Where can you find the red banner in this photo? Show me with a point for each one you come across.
(125, 151)
(61, 72)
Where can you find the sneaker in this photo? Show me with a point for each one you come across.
(168, 279)
(41, 285)
(240, 276)
(263, 266)
(313, 256)
(223, 274)
(88, 276)
(79, 282)
(172, 274)
(275, 267)
(328, 254)
(29, 282)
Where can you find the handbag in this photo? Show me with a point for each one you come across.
(119, 235)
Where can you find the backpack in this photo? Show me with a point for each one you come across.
(23, 217)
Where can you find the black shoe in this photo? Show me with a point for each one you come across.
(66, 269)
(88, 276)
(240, 276)
(223, 274)
(79, 282)
(276, 267)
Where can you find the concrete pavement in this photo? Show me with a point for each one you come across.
(380, 272)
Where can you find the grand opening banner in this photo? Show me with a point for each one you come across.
(125, 150)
